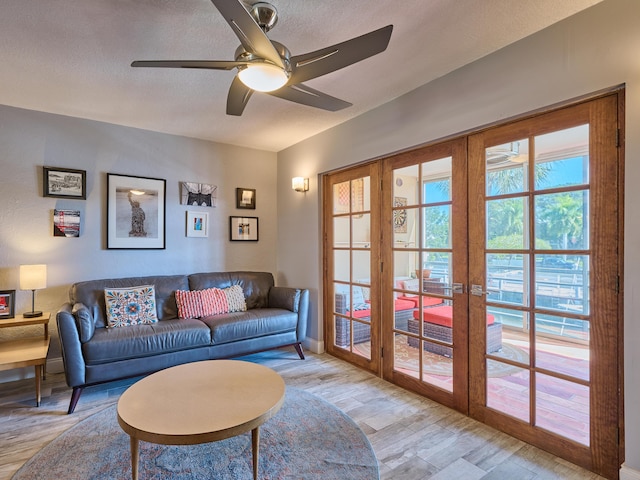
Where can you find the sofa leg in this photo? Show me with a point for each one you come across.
(75, 396)
(299, 350)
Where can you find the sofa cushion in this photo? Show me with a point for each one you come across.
(116, 344)
(130, 306)
(231, 327)
(442, 316)
(399, 305)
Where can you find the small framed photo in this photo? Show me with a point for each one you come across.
(66, 223)
(135, 212)
(246, 198)
(198, 194)
(243, 229)
(64, 183)
(7, 303)
(197, 224)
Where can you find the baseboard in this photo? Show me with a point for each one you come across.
(55, 365)
(314, 345)
(628, 473)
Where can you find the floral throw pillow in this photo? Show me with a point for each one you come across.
(130, 306)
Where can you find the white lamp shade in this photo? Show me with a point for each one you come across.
(33, 277)
(263, 77)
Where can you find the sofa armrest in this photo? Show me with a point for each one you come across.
(85, 322)
(295, 300)
(74, 366)
(284, 297)
(303, 315)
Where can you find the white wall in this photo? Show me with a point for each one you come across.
(596, 49)
(29, 140)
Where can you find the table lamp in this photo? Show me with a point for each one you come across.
(33, 277)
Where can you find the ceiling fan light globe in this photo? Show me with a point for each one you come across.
(263, 77)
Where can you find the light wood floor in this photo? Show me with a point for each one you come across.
(413, 438)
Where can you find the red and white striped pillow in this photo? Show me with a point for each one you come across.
(189, 303)
(212, 301)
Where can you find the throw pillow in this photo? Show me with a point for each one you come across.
(214, 302)
(189, 303)
(130, 306)
(211, 301)
(412, 285)
(235, 299)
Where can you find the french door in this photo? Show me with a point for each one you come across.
(352, 242)
(544, 265)
(484, 272)
(424, 322)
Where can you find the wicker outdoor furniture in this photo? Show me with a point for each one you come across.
(437, 325)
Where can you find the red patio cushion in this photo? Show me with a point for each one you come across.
(400, 304)
(442, 315)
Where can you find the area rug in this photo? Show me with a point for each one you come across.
(406, 358)
(308, 439)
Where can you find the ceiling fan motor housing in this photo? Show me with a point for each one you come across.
(264, 14)
(242, 55)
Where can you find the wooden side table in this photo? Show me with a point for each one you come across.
(26, 352)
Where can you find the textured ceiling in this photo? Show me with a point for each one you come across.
(73, 58)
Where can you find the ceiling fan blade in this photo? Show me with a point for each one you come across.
(327, 60)
(251, 36)
(311, 97)
(206, 64)
(239, 95)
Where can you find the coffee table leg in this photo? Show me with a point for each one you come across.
(134, 458)
(255, 447)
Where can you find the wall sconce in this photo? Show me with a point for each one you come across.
(300, 184)
(33, 277)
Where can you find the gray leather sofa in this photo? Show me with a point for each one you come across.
(93, 354)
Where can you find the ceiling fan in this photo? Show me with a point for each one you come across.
(267, 66)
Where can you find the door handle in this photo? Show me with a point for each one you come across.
(455, 288)
(477, 291)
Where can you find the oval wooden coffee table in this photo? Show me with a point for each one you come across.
(200, 402)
